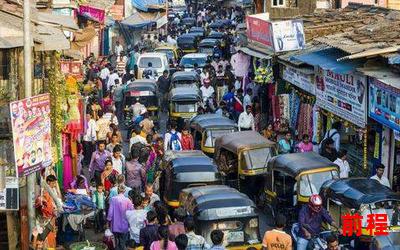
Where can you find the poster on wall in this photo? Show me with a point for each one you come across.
(259, 29)
(31, 129)
(299, 79)
(344, 95)
(288, 35)
(384, 103)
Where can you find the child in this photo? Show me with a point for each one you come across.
(98, 198)
(187, 140)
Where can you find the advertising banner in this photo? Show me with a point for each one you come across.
(299, 79)
(384, 103)
(72, 68)
(344, 95)
(92, 12)
(259, 30)
(31, 128)
(288, 35)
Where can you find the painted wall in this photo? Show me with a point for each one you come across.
(393, 4)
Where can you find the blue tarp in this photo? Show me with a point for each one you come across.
(143, 4)
(327, 59)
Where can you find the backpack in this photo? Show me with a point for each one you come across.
(322, 144)
(174, 143)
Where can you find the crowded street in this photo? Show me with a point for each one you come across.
(196, 125)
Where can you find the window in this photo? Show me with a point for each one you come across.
(278, 3)
(155, 61)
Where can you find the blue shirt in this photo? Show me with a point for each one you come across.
(312, 221)
(114, 192)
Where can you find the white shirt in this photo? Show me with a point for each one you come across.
(246, 101)
(335, 138)
(110, 116)
(111, 80)
(246, 121)
(136, 220)
(167, 139)
(384, 181)
(171, 41)
(118, 49)
(118, 164)
(104, 73)
(90, 134)
(206, 92)
(343, 167)
(136, 139)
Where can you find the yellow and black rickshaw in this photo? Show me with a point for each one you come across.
(183, 169)
(144, 90)
(183, 104)
(242, 158)
(225, 209)
(172, 52)
(206, 128)
(292, 178)
(185, 79)
(361, 196)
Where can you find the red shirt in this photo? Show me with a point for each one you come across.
(187, 142)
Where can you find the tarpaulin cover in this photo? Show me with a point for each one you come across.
(143, 5)
(141, 19)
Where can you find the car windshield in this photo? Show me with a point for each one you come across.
(211, 135)
(185, 107)
(311, 183)
(169, 53)
(188, 62)
(257, 158)
(155, 61)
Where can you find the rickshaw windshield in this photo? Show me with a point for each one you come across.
(168, 53)
(147, 101)
(211, 135)
(390, 207)
(311, 183)
(257, 158)
(185, 107)
(155, 61)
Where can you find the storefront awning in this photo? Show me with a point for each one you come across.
(327, 59)
(83, 37)
(48, 38)
(62, 21)
(254, 53)
(141, 19)
(144, 5)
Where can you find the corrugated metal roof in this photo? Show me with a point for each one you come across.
(58, 20)
(290, 56)
(383, 74)
(140, 19)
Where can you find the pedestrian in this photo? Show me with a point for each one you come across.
(277, 238)
(97, 162)
(107, 103)
(343, 164)
(173, 138)
(238, 107)
(164, 243)
(114, 130)
(149, 233)
(247, 98)
(98, 198)
(187, 140)
(118, 97)
(305, 145)
(136, 218)
(112, 81)
(135, 172)
(380, 169)
(181, 241)
(207, 90)
(149, 194)
(147, 124)
(217, 238)
(163, 83)
(102, 127)
(118, 48)
(246, 120)
(269, 132)
(116, 217)
(114, 190)
(286, 144)
(89, 139)
(108, 176)
(138, 137)
(177, 227)
(114, 141)
(118, 160)
(328, 149)
(333, 242)
(334, 134)
(195, 242)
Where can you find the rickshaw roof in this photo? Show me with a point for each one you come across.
(187, 35)
(185, 75)
(209, 189)
(296, 163)
(216, 35)
(237, 141)
(216, 122)
(172, 154)
(196, 29)
(201, 117)
(353, 192)
(209, 41)
(185, 94)
(188, 19)
(388, 242)
(165, 48)
(193, 164)
(142, 84)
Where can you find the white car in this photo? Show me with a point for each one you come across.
(159, 63)
(189, 60)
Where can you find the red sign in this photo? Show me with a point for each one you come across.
(92, 12)
(377, 224)
(117, 12)
(72, 68)
(259, 30)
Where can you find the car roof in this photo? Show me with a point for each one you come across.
(185, 75)
(352, 192)
(195, 55)
(296, 163)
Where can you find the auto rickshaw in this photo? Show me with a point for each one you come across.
(183, 105)
(242, 158)
(188, 42)
(361, 196)
(189, 21)
(220, 24)
(183, 169)
(227, 210)
(146, 91)
(206, 128)
(207, 45)
(199, 30)
(220, 36)
(172, 52)
(386, 242)
(292, 178)
(185, 79)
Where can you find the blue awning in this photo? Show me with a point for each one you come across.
(327, 59)
(143, 5)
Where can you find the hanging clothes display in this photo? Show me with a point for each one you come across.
(294, 101)
(305, 121)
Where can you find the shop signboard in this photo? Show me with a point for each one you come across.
(117, 12)
(344, 95)
(299, 79)
(384, 103)
(31, 129)
(92, 12)
(259, 30)
(288, 35)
